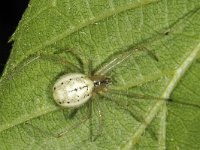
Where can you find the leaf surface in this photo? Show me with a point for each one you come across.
(98, 32)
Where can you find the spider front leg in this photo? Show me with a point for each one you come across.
(121, 57)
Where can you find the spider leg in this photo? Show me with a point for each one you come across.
(149, 97)
(88, 116)
(100, 119)
(138, 96)
(71, 128)
(138, 116)
(90, 67)
(113, 63)
(75, 52)
(126, 106)
(41, 131)
(121, 57)
(34, 57)
(150, 53)
(85, 62)
(71, 114)
(60, 134)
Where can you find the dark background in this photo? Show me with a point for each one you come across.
(10, 13)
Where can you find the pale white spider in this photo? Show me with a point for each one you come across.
(74, 89)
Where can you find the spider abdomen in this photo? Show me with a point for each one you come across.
(72, 90)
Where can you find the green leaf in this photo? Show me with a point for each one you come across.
(150, 104)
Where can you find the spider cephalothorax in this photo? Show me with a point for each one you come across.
(100, 83)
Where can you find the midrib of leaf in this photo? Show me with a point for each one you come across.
(162, 104)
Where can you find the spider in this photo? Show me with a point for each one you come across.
(75, 89)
